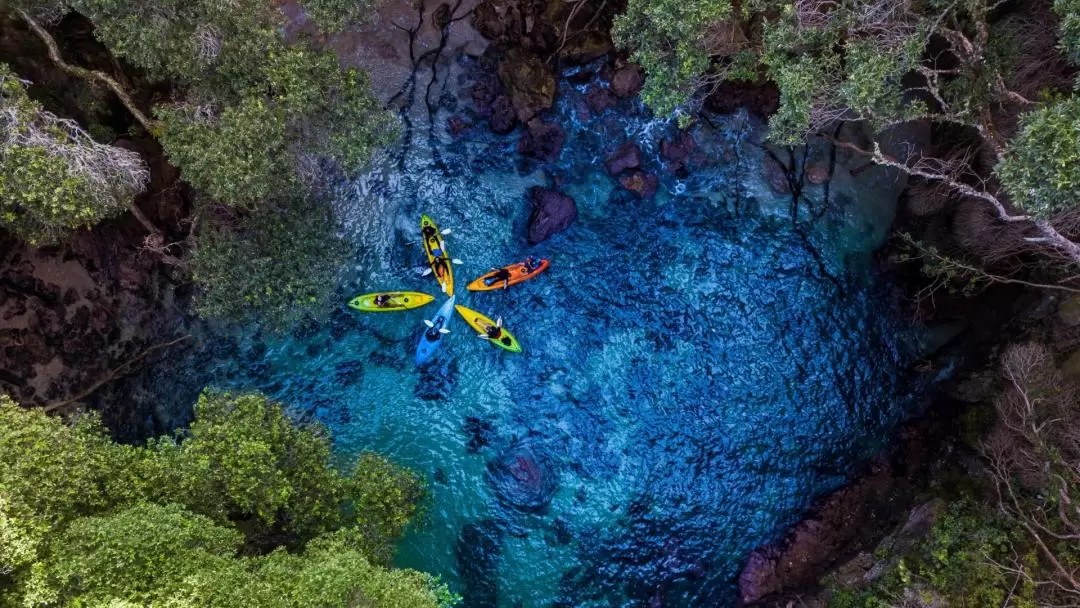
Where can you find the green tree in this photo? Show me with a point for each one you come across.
(54, 177)
(249, 120)
(278, 264)
(1042, 169)
(669, 39)
(252, 114)
(85, 521)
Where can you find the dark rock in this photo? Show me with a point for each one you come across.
(502, 119)
(552, 212)
(522, 478)
(480, 433)
(627, 80)
(34, 349)
(761, 99)
(349, 372)
(542, 141)
(70, 296)
(586, 47)
(677, 150)
(528, 82)
(484, 91)
(600, 99)
(643, 184)
(626, 157)
(477, 550)
(495, 21)
(437, 381)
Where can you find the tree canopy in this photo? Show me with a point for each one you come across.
(86, 521)
(252, 121)
(53, 176)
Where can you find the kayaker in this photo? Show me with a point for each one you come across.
(531, 264)
(432, 334)
(431, 236)
(501, 274)
(438, 266)
(494, 332)
(382, 300)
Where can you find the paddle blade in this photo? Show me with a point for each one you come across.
(443, 331)
(457, 261)
(428, 323)
(426, 272)
(445, 231)
(483, 336)
(498, 322)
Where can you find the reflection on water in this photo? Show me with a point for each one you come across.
(690, 379)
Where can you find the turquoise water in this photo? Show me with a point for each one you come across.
(692, 375)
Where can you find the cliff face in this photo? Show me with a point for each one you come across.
(75, 318)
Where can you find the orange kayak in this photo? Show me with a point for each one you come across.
(507, 276)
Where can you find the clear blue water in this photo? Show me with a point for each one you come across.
(690, 380)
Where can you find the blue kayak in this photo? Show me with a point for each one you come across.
(433, 334)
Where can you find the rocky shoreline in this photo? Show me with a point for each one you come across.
(103, 306)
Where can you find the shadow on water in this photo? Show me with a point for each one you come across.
(690, 379)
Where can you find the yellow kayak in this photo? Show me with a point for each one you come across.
(437, 257)
(503, 339)
(390, 301)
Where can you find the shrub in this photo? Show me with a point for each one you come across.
(85, 521)
(1042, 169)
(277, 265)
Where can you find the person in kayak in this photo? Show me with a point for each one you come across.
(501, 274)
(431, 237)
(438, 266)
(493, 332)
(531, 264)
(382, 300)
(433, 334)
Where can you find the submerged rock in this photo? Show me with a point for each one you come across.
(437, 381)
(677, 151)
(600, 98)
(643, 184)
(478, 547)
(480, 432)
(502, 119)
(522, 479)
(552, 212)
(491, 102)
(626, 157)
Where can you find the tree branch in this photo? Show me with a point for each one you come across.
(1050, 235)
(117, 372)
(85, 74)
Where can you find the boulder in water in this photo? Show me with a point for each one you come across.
(478, 548)
(677, 150)
(552, 212)
(502, 119)
(643, 184)
(542, 141)
(522, 478)
(600, 99)
(626, 157)
(627, 80)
